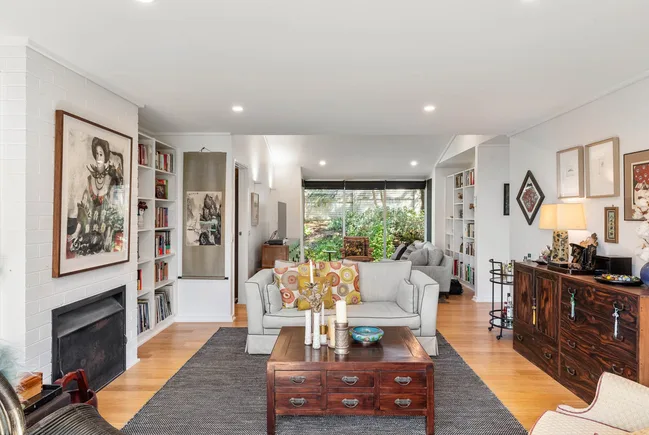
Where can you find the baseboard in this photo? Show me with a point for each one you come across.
(204, 319)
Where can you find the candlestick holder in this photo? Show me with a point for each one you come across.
(342, 338)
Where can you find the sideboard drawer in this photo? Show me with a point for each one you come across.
(297, 401)
(350, 379)
(600, 301)
(536, 349)
(301, 379)
(350, 401)
(577, 377)
(403, 402)
(403, 380)
(596, 363)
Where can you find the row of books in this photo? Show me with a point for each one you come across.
(463, 271)
(162, 304)
(459, 181)
(469, 248)
(162, 243)
(139, 279)
(143, 155)
(161, 217)
(469, 230)
(161, 271)
(161, 188)
(469, 178)
(164, 161)
(143, 321)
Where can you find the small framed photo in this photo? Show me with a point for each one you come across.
(603, 168)
(570, 173)
(611, 225)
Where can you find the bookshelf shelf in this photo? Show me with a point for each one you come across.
(164, 228)
(144, 260)
(460, 229)
(161, 284)
(160, 257)
(162, 172)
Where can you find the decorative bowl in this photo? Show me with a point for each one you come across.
(366, 334)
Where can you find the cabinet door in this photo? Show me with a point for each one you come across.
(523, 294)
(547, 308)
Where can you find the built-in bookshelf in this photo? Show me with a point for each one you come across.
(157, 237)
(460, 223)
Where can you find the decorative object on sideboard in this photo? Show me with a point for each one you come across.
(506, 199)
(203, 218)
(570, 169)
(643, 249)
(603, 168)
(92, 196)
(636, 186)
(613, 264)
(254, 209)
(611, 224)
(530, 197)
(560, 218)
(584, 254)
(342, 329)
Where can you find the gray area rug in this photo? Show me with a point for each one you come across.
(222, 390)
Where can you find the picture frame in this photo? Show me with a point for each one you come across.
(506, 199)
(93, 167)
(611, 225)
(636, 182)
(530, 197)
(254, 209)
(602, 168)
(570, 173)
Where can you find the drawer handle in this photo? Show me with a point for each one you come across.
(571, 371)
(297, 402)
(618, 306)
(403, 403)
(547, 355)
(350, 380)
(619, 338)
(571, 290)
(519, 337)
(403, 381)
(572, 344)
(351, 403)
(616, 370)
(298, 379)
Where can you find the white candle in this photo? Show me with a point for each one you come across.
(332, 331)
(341, 311)
(311, 271)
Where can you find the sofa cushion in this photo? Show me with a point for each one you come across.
(409, 250)
(419, 257)
(365, 314)
(290, 280)
(379, 282)
(343, 279)
(273, 299)
(435, 256)
(398, 252)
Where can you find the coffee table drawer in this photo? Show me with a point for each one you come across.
(303, 379)
(403, 380)
(403, 402)
(350, 379)
(350, 401)
(297, 401)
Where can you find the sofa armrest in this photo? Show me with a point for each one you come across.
(428, 291)
(407, 296)
(440, 274)
(256, 301)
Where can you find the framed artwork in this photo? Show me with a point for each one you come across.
(530, 197)
(203, 218)
(603, 168)
(254, 209)
(92, 195)
(636, 185)
(611, 224)
(506, 199)
(570, 170)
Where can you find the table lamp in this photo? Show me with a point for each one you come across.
(561, 218)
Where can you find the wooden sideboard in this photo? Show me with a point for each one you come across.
(577, 350)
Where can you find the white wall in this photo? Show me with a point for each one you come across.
(287, 187)
(623, 114)
(461, 143)
(33, 87)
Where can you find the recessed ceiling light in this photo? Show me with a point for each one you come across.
(322, 163)
(429, 108)
(146, 1)
(237, 109)
(414, 163)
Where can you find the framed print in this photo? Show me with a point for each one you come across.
(530, 197)
(603, 168)
(506, 199)
(611, 225)
(203, 218)
(92, 195)
(254, 209)
(636, 185)
(570, 169)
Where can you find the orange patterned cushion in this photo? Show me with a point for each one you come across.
(343, 279)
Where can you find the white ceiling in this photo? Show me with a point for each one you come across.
(375, 157)
(345, 67)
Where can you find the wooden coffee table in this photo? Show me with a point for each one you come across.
(392, 377)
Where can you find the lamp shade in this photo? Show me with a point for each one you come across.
(565, 216)
(548, 219)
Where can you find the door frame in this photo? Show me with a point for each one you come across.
(243, 201)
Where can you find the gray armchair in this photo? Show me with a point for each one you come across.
(441, 273)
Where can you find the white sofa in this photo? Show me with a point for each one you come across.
(392, 294)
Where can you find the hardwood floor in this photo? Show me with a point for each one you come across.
(524, 389)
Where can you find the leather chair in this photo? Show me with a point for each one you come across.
(357, 249)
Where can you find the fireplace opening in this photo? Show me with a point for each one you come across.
(91, 334)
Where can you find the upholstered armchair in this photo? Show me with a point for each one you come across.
(620, 407)
(357, 249)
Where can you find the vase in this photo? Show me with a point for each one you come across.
(316, 329)
(308, 324)
(644, 273)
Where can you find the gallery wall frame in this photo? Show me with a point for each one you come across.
(636, 182)
(570, 173)
(602, 168)
(506, 199)
(530, 197)
(611, 224)
(254, 209)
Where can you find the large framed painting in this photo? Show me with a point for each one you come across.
(92, 195)
(570, 173)
(530, 197)
(636, 185)
(254, 209)
(203, 217)
(603, 168)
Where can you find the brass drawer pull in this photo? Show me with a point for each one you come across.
(571, 371)
(403, 381)
(350, 380)
(351, 403)
(298, 379)
(297, 402)
(403, 403)
(519, 337)
(547, 355)
(572, 344)
(616, 370)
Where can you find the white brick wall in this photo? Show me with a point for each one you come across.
(46, 87)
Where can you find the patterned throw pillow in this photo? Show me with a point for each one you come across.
(409, 250)
(343, 279)
(290, 280)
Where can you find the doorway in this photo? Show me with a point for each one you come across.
(240, 266)
(237, 234)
